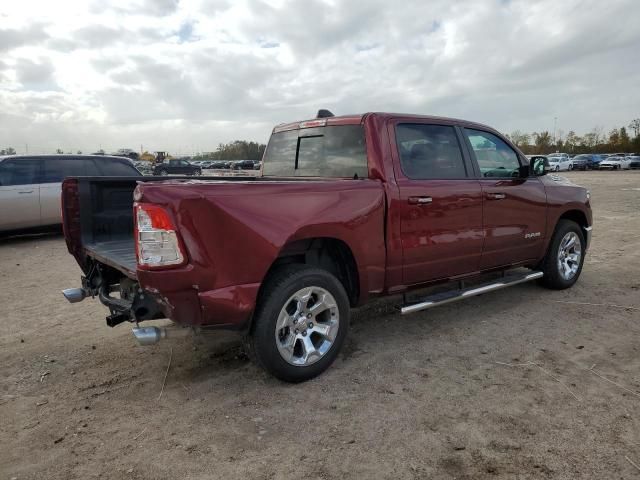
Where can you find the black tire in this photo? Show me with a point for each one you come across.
(570, 166)
(280, 286)
(553, 278)
(163, 172)
(197, 173)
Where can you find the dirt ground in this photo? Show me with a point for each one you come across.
(420, 396)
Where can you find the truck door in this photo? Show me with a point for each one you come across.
(440, 203)
(515, 207)
(19, 193)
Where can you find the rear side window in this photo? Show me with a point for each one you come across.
(335, 151)
(495, 158)
(19, 172)
(429, 152)
(57, 169)
(114, 168)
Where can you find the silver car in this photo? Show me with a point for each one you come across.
(30, 185)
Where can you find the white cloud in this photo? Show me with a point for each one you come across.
(182, 75)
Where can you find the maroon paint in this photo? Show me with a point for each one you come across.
(234, 231)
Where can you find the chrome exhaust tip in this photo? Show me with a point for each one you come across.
(74, 295)
(149, 335)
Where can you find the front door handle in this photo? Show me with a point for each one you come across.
(424, 200)
(26, 191)
(496, 196)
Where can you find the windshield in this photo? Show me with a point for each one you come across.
(335, 152)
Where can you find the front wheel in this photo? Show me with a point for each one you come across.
(197, 173)
(301, 321)
(563, 263)
(164, 173)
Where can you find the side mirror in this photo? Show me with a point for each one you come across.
(539, 166)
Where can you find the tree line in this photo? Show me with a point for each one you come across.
(595, 141)
(623, 139)
(236, 150)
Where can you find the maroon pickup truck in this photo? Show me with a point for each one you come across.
(345, 209)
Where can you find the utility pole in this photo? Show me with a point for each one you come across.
(555, 121)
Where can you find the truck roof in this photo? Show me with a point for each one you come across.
(355, 119)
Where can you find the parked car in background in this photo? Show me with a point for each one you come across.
(615, 162)
(243, 165)
(634, 162)
(559, 163)
(127, 152)
(30, 185)
(257, 165)
(176, 167)
(585, 161)
(597, 158)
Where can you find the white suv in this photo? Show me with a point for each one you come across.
(30, 185)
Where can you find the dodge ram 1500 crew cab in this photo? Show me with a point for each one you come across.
(344, 209)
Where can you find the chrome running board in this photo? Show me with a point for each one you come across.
(451, 296)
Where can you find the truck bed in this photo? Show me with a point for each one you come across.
(119, 254)
(104, 219)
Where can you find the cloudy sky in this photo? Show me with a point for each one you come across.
(184, 75)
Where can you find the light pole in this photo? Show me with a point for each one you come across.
(555, 121)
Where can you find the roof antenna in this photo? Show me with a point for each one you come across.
(324, 113)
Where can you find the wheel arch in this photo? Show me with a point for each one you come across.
(575, 215)
(328, 253)
(331, 254)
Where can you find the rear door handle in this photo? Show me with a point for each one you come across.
(423, 200)
(26, 191)
(496, 196)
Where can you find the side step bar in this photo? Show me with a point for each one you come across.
(454, 295)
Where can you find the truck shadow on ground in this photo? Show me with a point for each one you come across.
(375, 326)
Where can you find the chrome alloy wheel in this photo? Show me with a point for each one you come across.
(307, 326)
(569, 254)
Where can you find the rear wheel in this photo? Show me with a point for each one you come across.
(563, 263)
(197, 173)
(301, 322)
(164, 173)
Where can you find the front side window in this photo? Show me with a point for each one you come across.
(495, 158)
(429, 152)
(336, 151)
(19, 172)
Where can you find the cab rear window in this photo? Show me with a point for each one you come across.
(335, 152)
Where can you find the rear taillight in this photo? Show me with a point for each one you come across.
(157, 243)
